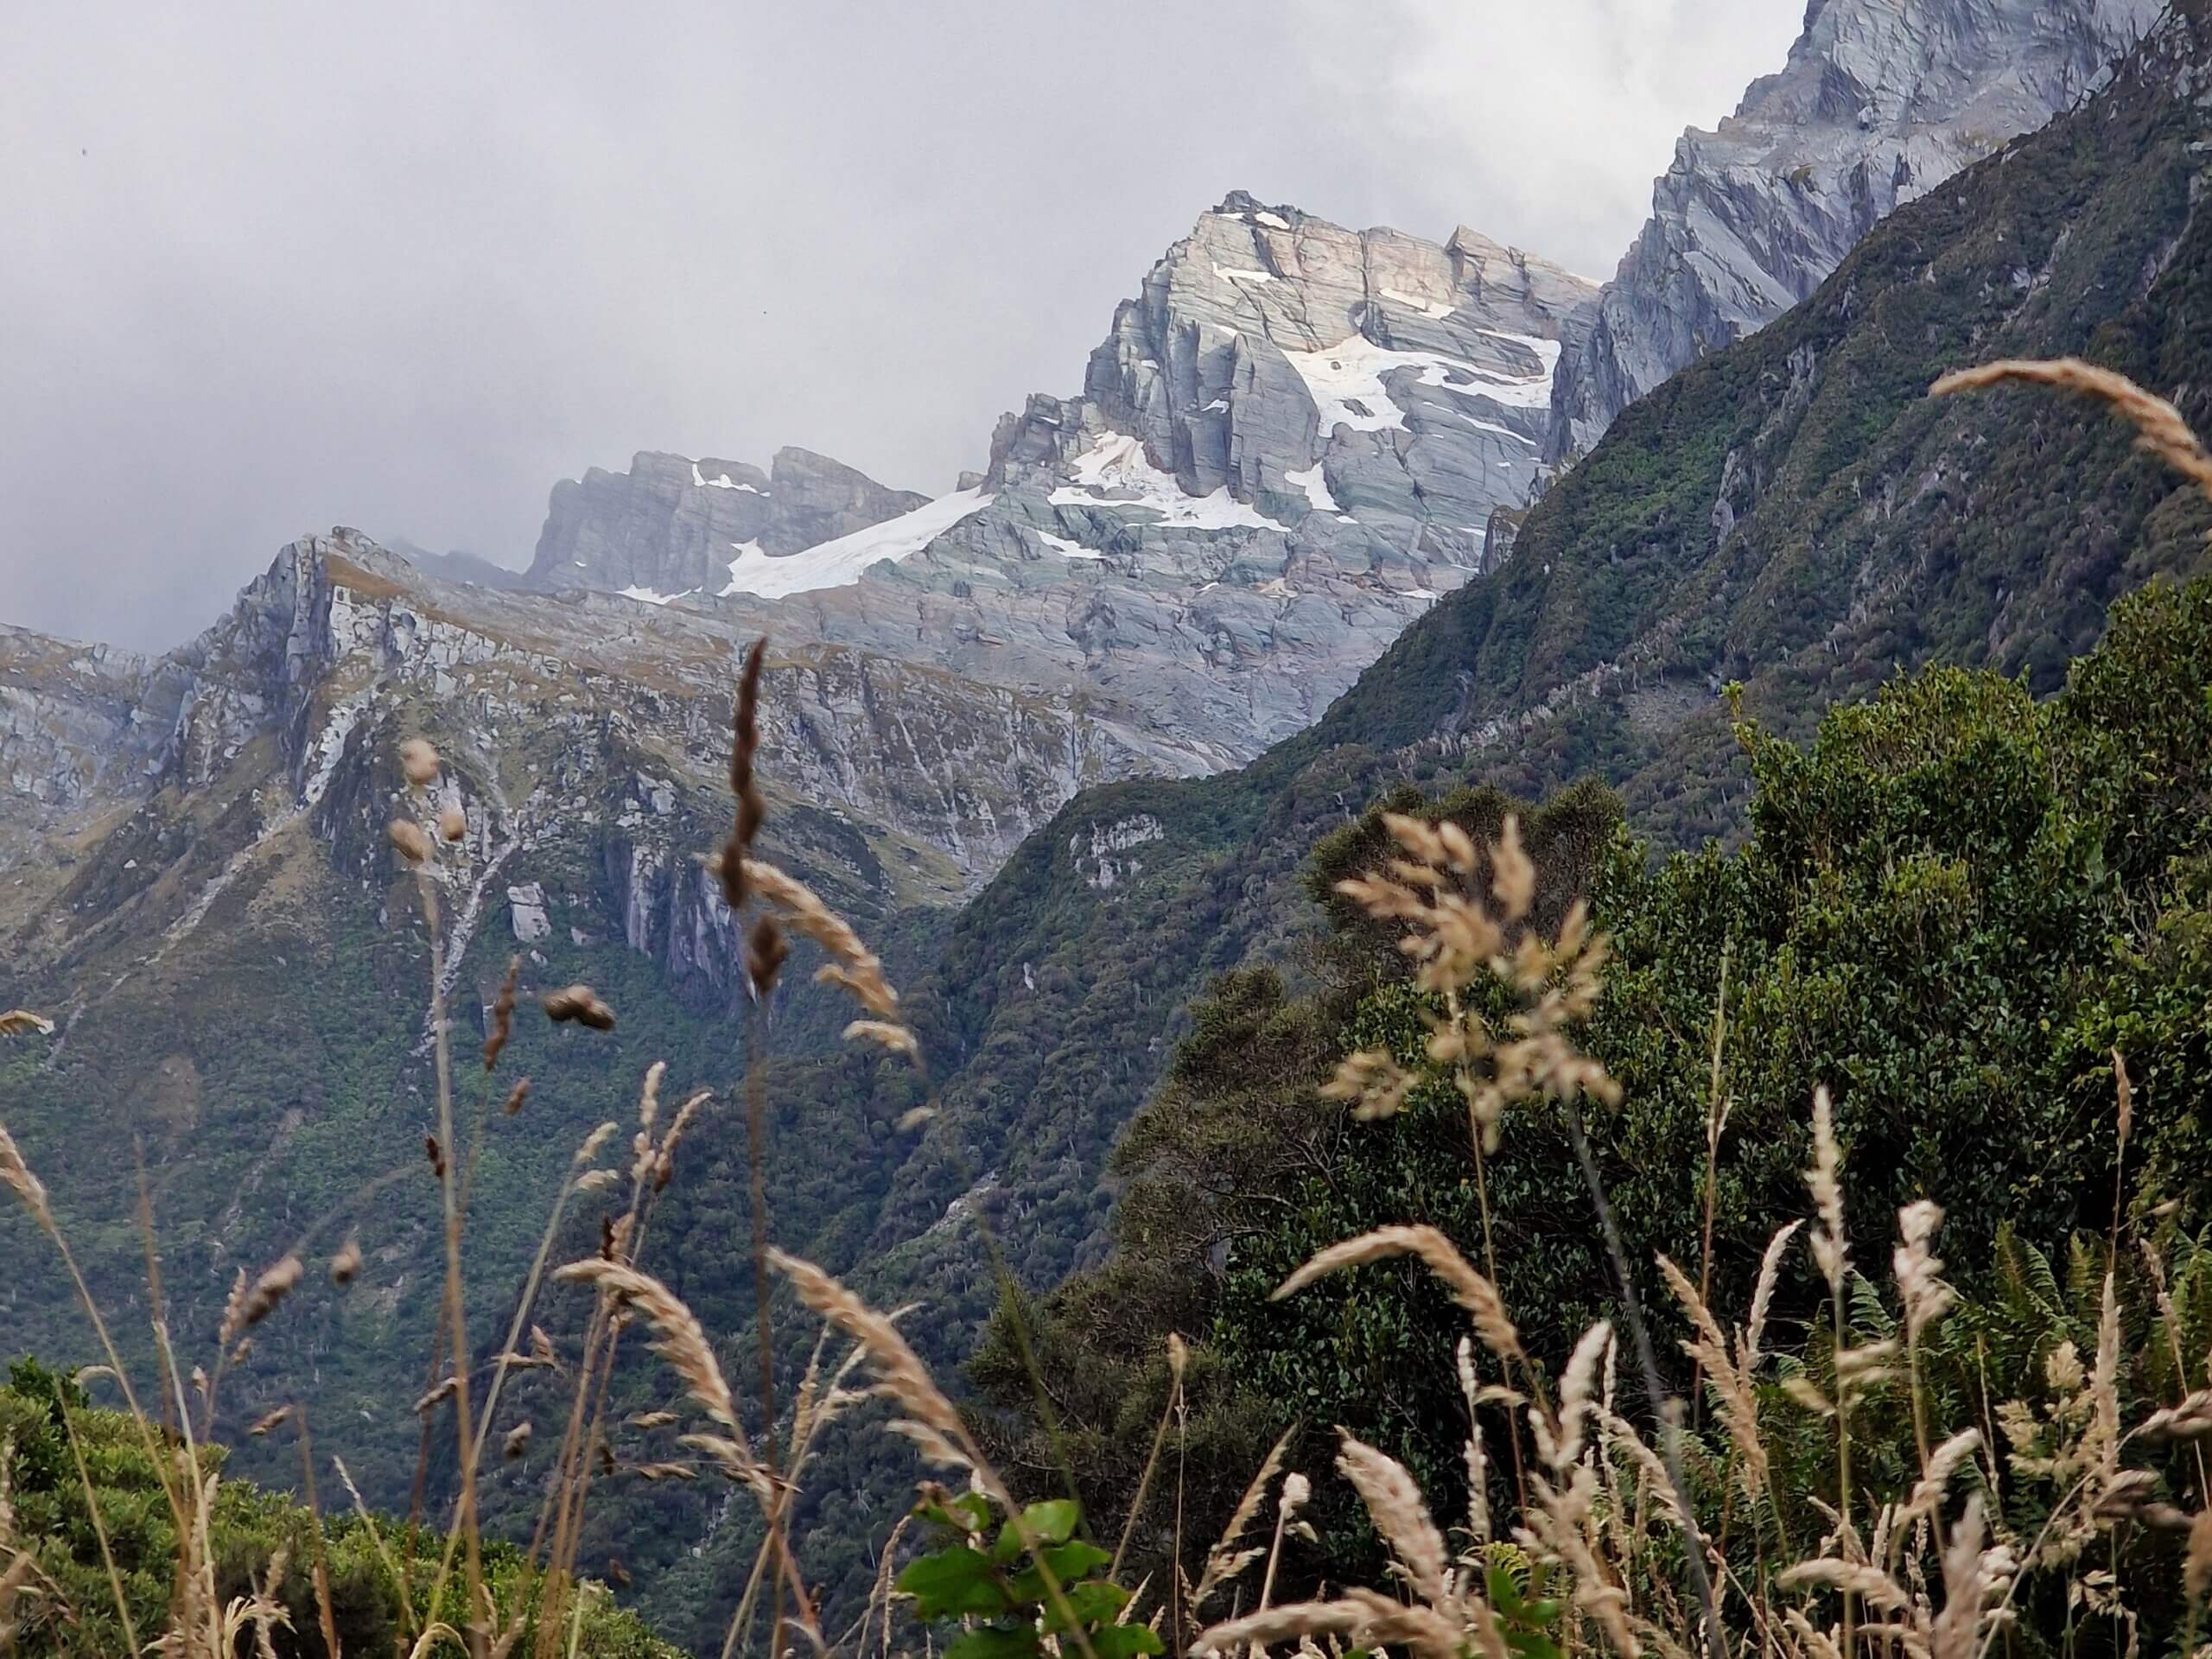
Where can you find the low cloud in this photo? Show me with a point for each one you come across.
(270, 269)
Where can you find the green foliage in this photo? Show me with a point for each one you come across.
(1951, 907)
(68, 1608)
(1035, 1581)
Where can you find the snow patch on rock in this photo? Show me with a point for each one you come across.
(839, 564)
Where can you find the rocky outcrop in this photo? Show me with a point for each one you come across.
(1881, 101)
(668, 526)
(1290, 445)
(1317, 372)
(73, 723)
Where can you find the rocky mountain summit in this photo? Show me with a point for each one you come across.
(1292, 443)
(665, 529)
(1881, 101)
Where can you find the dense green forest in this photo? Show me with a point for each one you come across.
(58, 1598)
(1952, 906)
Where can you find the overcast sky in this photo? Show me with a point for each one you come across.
(270, 268)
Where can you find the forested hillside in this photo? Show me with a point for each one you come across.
(1792, 517)
(1953, 905)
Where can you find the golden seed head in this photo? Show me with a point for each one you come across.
(419, 761)
(407, 836)
(453, 822)
(346, 1264)
(579, 1003)
(258, 1302)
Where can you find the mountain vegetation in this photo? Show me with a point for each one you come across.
(1952, 908)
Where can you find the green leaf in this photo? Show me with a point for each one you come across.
(1070, 1563)
(991, 1644)
(1123, 1642)
(1053, 1521)
(1504, 1594)
(951, 1583)
(1094, 1602)
(967, 1514)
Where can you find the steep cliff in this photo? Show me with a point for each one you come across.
(665, 529)
(1291, 444)
(1881, 101)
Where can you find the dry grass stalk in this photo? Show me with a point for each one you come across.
(16, 1021)
(898, 1369)
(1578, 1393)
(751, 808)
(1360, 1617)
(1728, 1374)
(1178, 1356)
(1225, 1561)
(683, 1341)
(852, 966)
(1455, 938)
(1831, 1246)
(1477, 1464)
(407, 838)
(580, 1004)
(435, 1395)
(260, 1301)
(25, 1185)
(896, 1039)
(1468, 1287)
(1400, 1516)
(1293, 1620)
(642, 1147)
(2158, 425)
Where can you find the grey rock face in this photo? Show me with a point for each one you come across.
(666, 527)
(1881, 101)
(73, 729)
(942, 774)
(1269, 343)
(1292, 443)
